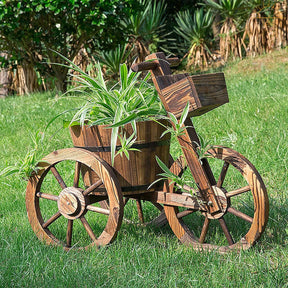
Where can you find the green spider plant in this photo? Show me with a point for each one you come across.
(130, 100)
(31, 162)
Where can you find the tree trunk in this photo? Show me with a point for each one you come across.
(60, 79)
(216, 26)
(82, 61)
(278, 25)
(5, 82)
(5, 79)
(25, 80)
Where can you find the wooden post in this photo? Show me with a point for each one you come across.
(185, 140)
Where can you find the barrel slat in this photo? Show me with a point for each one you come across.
(137, 173)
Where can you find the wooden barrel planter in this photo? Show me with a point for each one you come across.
(137, 173)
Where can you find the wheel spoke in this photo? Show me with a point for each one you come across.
(77, 174)
(92, 187)
(161, 220)
(158, 206)
(51, 220)
(140, 211)
(98, 209)
(126, 201)
(226, 231)
(185, 213)
(222, 174)
(69, 233)
(238, 191)
(88, 228)
(47, 196)
(58, 177)
(104, 204)
(204, 230)
(189, 189)
(240, 214)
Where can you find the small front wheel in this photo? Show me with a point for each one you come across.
(62, 210)
(242, 197)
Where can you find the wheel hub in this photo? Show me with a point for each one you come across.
(71, 203)
(222, 201)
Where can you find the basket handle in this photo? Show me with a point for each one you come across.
(151, 65)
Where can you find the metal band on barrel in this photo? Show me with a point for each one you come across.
(136, 146)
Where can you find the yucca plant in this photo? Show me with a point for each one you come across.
(232, 13)
(280, 24)
(145, 28)
(258, 28)
(112, 59)
(196, 31)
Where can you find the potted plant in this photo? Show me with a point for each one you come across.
(117, 124)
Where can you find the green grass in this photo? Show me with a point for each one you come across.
(253, 123)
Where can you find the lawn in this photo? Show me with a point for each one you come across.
(254, 123)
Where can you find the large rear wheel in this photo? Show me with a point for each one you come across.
(243, 199)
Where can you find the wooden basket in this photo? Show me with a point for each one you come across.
(203, 92)
(137, 173)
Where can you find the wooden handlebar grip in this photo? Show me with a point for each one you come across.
(144, 66)
(150, 65)
(173, 61)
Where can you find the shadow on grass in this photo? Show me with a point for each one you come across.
(276, 232)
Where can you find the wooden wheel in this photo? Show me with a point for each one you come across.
(243, 200)
(62, 211)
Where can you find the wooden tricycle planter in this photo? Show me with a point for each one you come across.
(228, 196)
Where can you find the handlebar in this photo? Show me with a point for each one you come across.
(150, 65)
(137, 67)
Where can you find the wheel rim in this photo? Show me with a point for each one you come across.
(244, 212)
(63, 211)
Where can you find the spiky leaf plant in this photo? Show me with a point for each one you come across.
(258, 28)
(231, 12)
(145, 28)
(280, 24)
(112, 59)
(196, 30)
